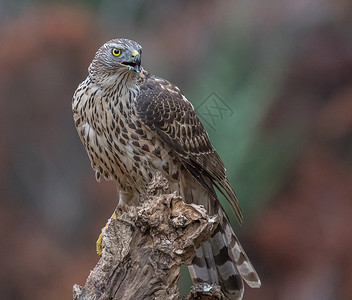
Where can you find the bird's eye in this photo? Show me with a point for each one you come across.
(116, 52)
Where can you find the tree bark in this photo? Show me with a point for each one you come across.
(144, 248)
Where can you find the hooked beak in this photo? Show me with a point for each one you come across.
(135, 62)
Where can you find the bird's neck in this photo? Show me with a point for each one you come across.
(112, 78)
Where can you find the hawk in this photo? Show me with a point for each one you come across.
(133, 124)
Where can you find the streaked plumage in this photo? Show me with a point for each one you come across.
(132, 124)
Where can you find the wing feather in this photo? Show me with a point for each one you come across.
(163, 108)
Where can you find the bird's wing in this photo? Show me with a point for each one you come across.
(164, 110)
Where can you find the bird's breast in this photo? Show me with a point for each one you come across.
(120, 147)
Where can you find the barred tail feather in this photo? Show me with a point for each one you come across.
(212, 264)
(220, 260)
(203, 268)
(237, 253)
(229, 278)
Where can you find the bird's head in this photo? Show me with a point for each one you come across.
(116, 56)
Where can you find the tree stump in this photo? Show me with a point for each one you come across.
(144, 248)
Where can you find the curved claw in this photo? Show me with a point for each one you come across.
(98, 244)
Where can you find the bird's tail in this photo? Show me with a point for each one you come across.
(222, 260)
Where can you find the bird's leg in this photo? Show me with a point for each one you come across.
(124, 198)
(98, 244)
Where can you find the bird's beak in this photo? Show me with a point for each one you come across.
(135, 61)
(136, 58)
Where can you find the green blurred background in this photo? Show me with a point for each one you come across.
(272, 83)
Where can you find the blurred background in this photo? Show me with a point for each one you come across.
(272, 83)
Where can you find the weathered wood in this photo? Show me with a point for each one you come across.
(143, 250)
(204, 291)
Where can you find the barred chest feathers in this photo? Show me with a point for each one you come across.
(119, 146)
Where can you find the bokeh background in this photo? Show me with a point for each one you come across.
(281, 73)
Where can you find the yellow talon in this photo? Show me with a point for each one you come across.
(99, 247)
(98, 244)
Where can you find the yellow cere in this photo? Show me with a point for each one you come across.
(134, 53)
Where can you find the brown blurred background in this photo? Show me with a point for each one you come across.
(282, 70)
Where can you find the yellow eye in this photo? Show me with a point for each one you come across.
(116, 52)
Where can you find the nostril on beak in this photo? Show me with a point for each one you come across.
(134, 54)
